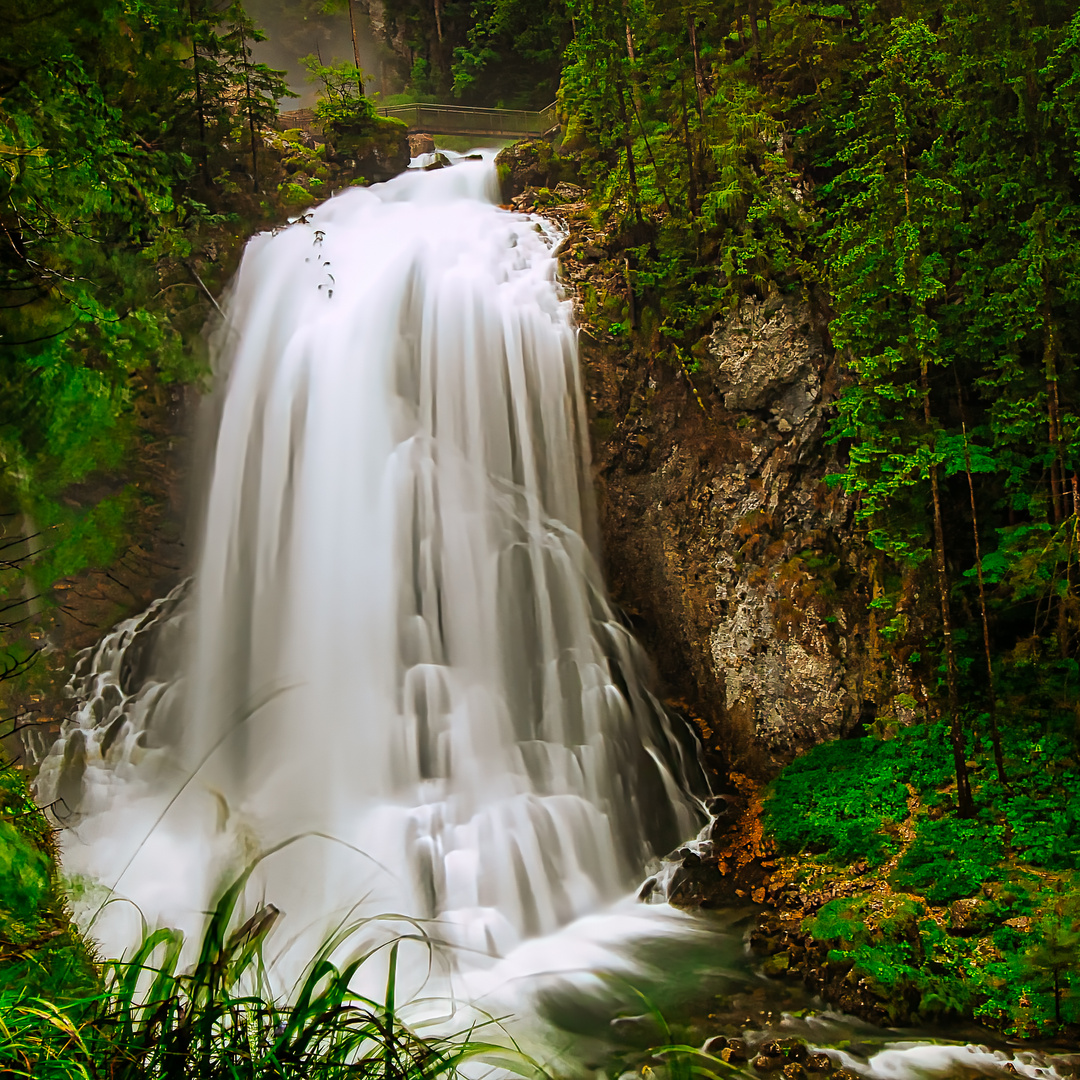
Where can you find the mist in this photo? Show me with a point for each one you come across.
(296, 28)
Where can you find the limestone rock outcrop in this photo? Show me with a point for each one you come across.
(736, 563)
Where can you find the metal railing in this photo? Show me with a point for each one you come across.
(462, 120)
(305, 119)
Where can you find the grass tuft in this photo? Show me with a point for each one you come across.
(219, 1020)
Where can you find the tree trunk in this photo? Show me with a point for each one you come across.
(629, 35)
(995, 733)
(631, 168)
(691, 184)
(754, 34)
(199, 106)
(1053, 411)
(964, 803)
(699, 71)
(245, 60)
(648, 149)
(355, 46)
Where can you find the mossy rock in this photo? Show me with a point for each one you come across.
(532, 163)
(376, 146)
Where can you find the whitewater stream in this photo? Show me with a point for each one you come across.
(396, 675)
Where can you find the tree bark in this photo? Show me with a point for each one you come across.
(699, 71)
(631, 167)
(692, 191)
(355, 46)
(995, 733)
(245, 60)
(1053, 422)
(755, 36)
(648, 149)
(629, 35)
(199, 106)
(965, 806)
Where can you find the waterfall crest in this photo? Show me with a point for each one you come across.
(397, 647)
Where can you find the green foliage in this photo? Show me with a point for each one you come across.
(81, 539)
(890, 942)
(305, 167)
(1022, 981)
(23, 878)
(1016, 860)
(341, 95)
(113, 117)
(903, 954)
(510, 54)
(839, 798)
(950, 859)
(917, 171)
(39, 951)
(1054, 959)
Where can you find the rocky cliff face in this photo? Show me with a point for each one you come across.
(722, 542)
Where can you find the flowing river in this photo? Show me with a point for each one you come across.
(396, 683)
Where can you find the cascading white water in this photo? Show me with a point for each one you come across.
(398, 645)
(397, 648)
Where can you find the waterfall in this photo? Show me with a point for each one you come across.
(396, 657)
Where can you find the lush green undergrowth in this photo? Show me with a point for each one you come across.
(949, 916)
(40, 953)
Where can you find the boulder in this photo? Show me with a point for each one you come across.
(374, 147)
(532, 163)
(777, 965)
(421, 144)
(790, 1049)
(766, 1064)
(971, 916)
(735, 1053)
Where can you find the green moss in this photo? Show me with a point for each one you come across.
(368, 134)
(848, 921)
